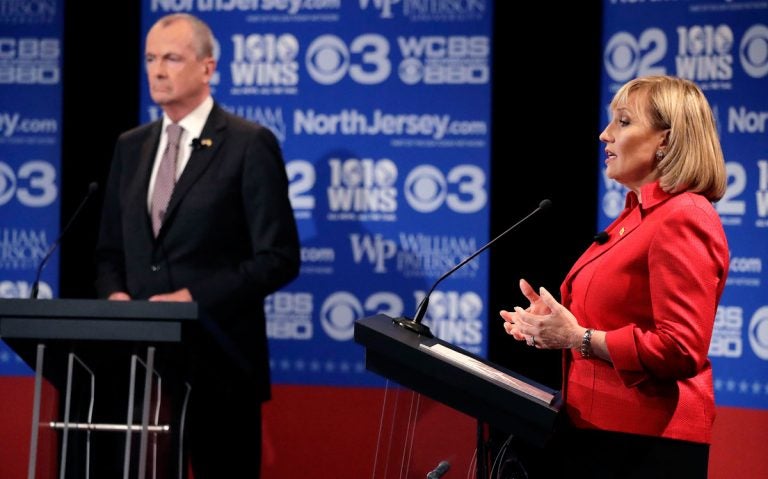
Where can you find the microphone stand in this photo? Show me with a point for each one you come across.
(92, 187)
(415, 324)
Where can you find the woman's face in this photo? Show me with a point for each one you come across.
(631, 144)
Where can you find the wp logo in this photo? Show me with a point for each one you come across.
(375, 248)
(384, 6)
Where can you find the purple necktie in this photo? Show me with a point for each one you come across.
(166, 177)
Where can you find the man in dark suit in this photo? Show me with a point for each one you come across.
(219, 231)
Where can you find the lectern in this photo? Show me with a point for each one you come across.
(459, 379)
(49, 333)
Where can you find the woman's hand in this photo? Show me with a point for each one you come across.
(536, 306)
(545, 324)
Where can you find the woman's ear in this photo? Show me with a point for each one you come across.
(665, 138)
(661, 148)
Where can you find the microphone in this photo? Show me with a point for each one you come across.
(415, 323)
(440, 470)
(92, 188)
(601, 237)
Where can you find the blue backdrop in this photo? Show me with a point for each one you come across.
(383, 112)
(30, 151)
(723, 47)
(382, 108)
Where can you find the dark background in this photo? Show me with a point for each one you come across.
(544, 143)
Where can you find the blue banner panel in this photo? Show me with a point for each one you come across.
(723, 47)
(30, 150)
(382, 108)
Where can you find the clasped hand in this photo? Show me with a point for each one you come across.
(182, 295)
(545, 323)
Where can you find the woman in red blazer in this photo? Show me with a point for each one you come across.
(638, 307)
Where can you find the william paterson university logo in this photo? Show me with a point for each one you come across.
(434, 10)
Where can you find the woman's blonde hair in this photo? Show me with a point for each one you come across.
(693, 159)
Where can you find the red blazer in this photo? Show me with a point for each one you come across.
(654, 286)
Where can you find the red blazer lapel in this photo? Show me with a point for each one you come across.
(618, 231)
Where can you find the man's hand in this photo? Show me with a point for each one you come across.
(180, 296)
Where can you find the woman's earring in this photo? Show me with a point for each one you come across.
(659, 154)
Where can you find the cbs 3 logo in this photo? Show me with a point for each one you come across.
(33, 183)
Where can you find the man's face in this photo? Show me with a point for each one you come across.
(178, 79)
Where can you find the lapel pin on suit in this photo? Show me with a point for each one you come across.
(201, 144)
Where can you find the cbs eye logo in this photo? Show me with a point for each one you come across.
(462, 189)
(341, 309)
(33, 184)
(366, 60)
(758, 332)
(753, 51)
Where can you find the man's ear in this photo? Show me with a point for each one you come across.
(209, 66)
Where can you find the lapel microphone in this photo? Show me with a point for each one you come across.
(601, 237)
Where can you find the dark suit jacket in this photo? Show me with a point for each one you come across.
(229, 237)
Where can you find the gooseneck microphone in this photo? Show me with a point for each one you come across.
(415, 323)
(601, 237)
(92, 188)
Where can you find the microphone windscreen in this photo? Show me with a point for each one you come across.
(601, 237)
